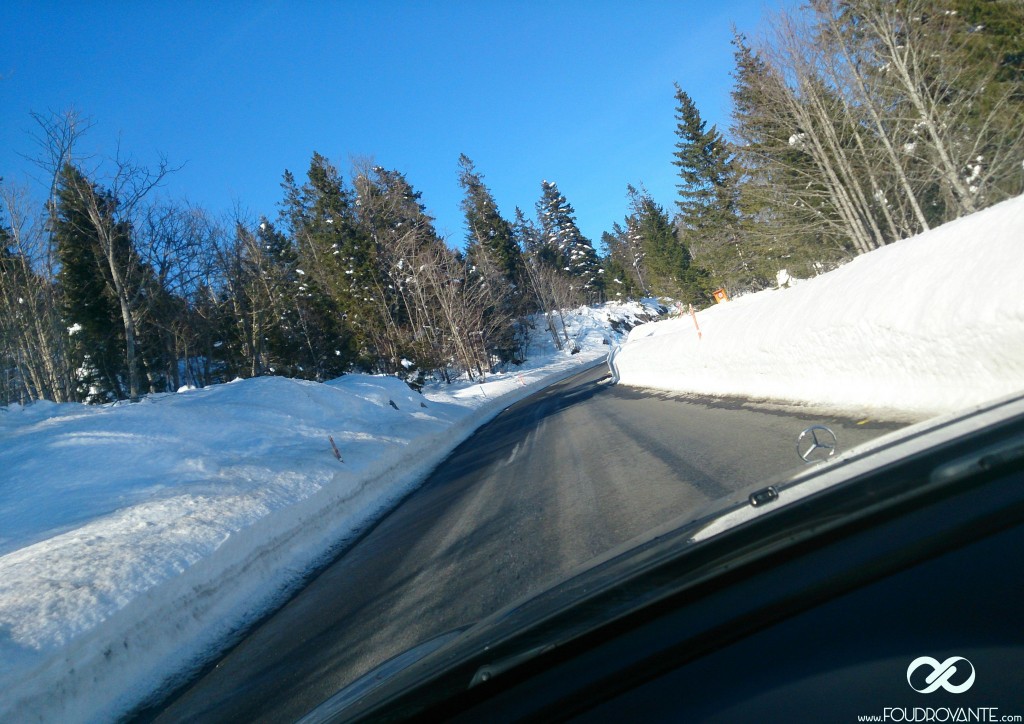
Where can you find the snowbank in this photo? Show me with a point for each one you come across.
(925, 326)
(135, 540)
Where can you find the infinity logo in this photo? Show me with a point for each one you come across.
(941, 674)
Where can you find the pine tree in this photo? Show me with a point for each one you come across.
(530, 239)
(337, 261)
(487, 232)
(392, 215)
(496, 261)
(624, 252)
(92, 314)
(526, 234)
(650, 251)
(788, 218)
(575, 254)
(287, 301)
(708, 206)
(706, 169)
(665, 255)
(620, 281)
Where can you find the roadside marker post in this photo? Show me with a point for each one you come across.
(693, 314)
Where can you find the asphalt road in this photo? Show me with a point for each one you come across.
(549, 484)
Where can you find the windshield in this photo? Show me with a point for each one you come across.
(275, 410)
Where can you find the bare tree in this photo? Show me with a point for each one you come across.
(32, 333)
(174, 243)
(252, 293)
(852, 71)
(899, 109)
(813, 105)
(29, 300)
(969, 139)
(544, 281)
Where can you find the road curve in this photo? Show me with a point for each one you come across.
(552, 482)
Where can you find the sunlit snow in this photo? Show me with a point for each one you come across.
(925, 326)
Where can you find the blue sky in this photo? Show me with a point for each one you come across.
(575, 92)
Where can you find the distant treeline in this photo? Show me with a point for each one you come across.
(855, 123)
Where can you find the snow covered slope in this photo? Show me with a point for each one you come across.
(135, 539)
(925, 326)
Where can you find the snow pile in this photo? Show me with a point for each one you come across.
(925, 326)
(135, 540)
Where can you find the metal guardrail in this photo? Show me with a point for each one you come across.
(611, 363)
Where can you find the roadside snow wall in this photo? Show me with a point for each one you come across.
(924, 326)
